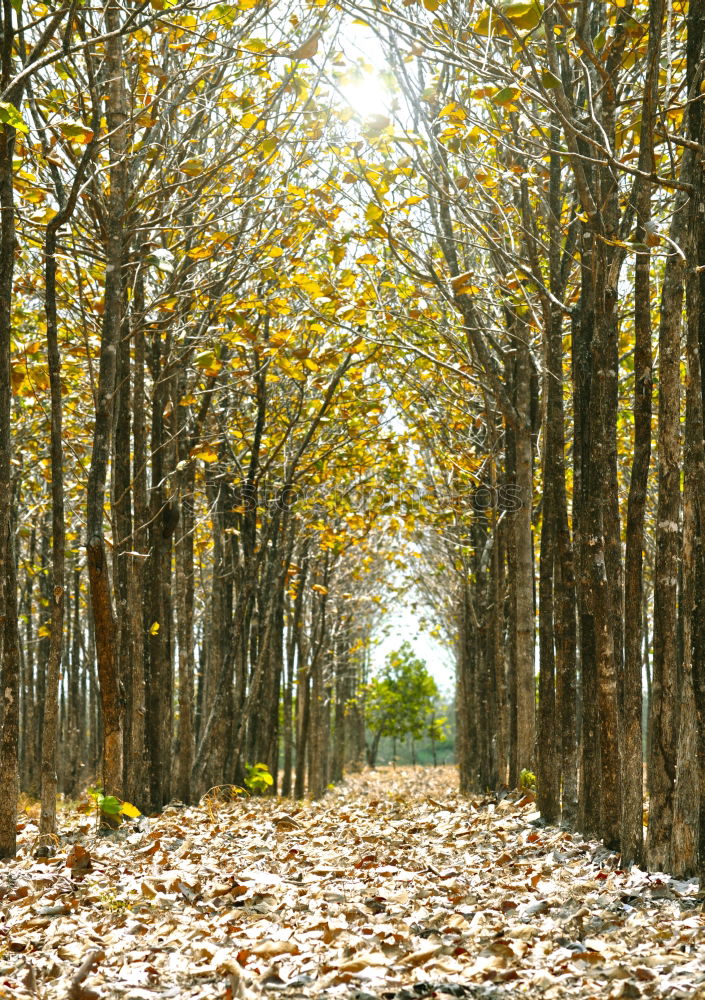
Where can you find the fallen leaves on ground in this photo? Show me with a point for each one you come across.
(393, 886)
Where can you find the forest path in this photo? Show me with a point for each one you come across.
(391, 887)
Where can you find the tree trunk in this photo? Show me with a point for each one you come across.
(524, 607)
(664, 701)
(47, 825)
(185, 606)
(693, 598)
(631, 681)
(136, 779)
(106, 633)
(582, 328)
(547, 773)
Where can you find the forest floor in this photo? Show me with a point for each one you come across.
(391, 888)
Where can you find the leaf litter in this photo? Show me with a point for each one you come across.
(392, 887)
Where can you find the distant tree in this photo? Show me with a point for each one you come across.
(399, 700)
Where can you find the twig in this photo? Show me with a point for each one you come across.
(76, 991)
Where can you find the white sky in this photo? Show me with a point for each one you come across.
(402, 626)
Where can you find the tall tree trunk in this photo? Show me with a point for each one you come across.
(106, 633)
(185, 610)
(135, 764)
(47, 825)
(164, 517)
(123, 542)
(28, 725)
(497, 626)
(548, 775)
(582, 329)
(601, 581)
(693, 601)
(10, 672)
(563, 595)
(664, 701)
(78, 702)
(524, 606)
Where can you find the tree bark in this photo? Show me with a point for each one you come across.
(664, 698)
(47, 824)
(106, 633)
(10, 673)
(524, 607)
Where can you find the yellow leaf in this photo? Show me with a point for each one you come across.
(307, 285)
(319, 589)
(127, 809)
(461, 281)
(255, 45)
(489, 23)
(200, 253)
(193, 166)
(206, 453)
(76, 132)
(154, 628)
(9, 115)
(452, 110)
(373, 213)
(523, 15)
(291, 370)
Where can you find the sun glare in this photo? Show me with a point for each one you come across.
(367, 96)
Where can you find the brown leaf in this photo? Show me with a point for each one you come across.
(79, 860)
(307, 49)
(269, 949)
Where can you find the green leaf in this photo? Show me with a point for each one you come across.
(505, 96)
(16, 5)
(9, 115)
(205, 359)
(549, 79)
(110, 805)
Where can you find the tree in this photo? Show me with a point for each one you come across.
(399, 700)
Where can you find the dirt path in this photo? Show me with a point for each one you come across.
(391, 887)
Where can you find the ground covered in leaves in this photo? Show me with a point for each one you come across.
(391, 888)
